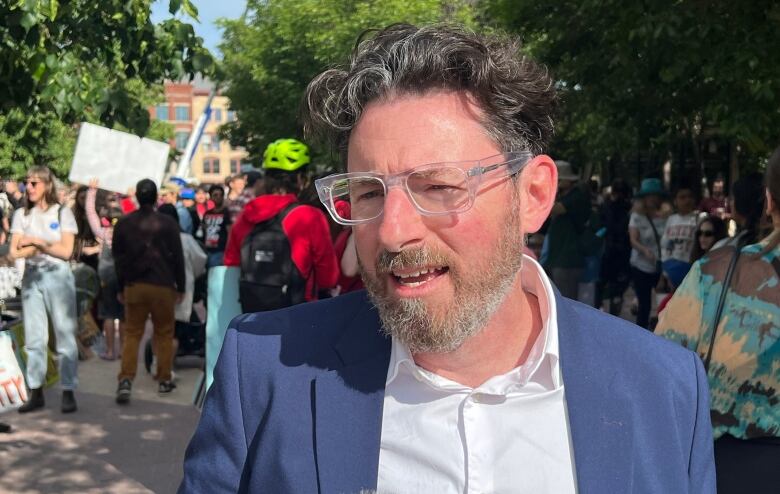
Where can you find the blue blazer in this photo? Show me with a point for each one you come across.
(296, 405)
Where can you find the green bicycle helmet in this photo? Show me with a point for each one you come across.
(286, 154)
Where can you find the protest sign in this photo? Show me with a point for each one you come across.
(117, 159)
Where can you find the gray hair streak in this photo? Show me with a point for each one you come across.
(516, 95)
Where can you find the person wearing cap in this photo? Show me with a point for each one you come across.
(645, 227)
(565, 259)
(461, 368)
(284, 163)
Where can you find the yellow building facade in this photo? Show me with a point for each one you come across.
(214, 159)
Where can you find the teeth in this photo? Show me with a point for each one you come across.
(415, 274)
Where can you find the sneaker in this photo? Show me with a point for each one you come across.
(123, 391)
(166, 387)
(68, 402)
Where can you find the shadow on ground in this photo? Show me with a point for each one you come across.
(102, 448)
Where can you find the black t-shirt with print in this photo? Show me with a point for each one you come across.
(213, 231)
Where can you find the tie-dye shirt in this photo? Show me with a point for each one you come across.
(744, 373)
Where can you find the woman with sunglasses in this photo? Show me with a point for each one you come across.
(711, 229)
(43, 233)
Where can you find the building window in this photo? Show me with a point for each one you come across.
(161, 112)
(210, 142)
(211, 166)
(182, 113)
(218, 115)
(181, 139)
(231, 115)
(235, 166)
(205, 141)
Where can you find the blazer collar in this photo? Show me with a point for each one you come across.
(599, 413)
(347, 404)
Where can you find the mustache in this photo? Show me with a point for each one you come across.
(387, 261)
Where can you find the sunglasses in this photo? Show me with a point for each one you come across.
(705, 233)
(31, 183)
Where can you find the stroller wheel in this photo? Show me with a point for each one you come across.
(148, 357)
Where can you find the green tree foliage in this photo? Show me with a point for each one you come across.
(272, 52)
(62, 62)
(656, 76)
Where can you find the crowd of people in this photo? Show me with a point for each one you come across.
(150, 253)
(646, 239)
(711, 262)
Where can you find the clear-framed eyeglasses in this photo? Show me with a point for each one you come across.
(435, 189)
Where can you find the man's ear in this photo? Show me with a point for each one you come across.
(538, 186)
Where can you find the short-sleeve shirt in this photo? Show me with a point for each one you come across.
(678, 237)
(648, 239)
(46, 225)
(213, 231)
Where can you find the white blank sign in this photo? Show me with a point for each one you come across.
(117, 159)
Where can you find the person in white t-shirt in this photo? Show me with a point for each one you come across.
(678, 237)
(43, 233)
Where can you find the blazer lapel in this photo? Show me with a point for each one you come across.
(347, 408)
(599, 414)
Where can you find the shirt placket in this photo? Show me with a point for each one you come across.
(478, 470)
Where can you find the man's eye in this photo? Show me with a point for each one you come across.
(445, 187)
(373, 194)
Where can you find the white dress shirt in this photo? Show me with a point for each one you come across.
(511, 434)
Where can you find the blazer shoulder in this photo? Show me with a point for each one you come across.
(299, 334)
(634, 350)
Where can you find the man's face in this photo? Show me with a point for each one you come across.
(717, 188)
(169, 197)
(436, 280)
(218, 196)
(684, 201)
(237, 184)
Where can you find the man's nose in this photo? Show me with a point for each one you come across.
(401, 224)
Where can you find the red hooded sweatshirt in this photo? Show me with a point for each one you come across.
(307, 230)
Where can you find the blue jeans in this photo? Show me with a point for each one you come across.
(215, 259)
(49, 291)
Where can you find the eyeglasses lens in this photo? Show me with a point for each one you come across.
(439, 190)
(31, 183)
(366, 196)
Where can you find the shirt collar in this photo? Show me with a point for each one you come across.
(541, 366)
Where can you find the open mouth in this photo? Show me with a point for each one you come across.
(418, 276)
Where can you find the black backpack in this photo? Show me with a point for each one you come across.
(269, 278)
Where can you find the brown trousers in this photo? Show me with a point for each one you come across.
(142, 299)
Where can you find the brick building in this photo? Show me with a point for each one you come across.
(184, 103)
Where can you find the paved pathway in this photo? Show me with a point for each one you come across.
(103, 447)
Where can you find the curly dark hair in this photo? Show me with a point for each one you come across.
(517, 96)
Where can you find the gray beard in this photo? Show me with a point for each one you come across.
(478, 295)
